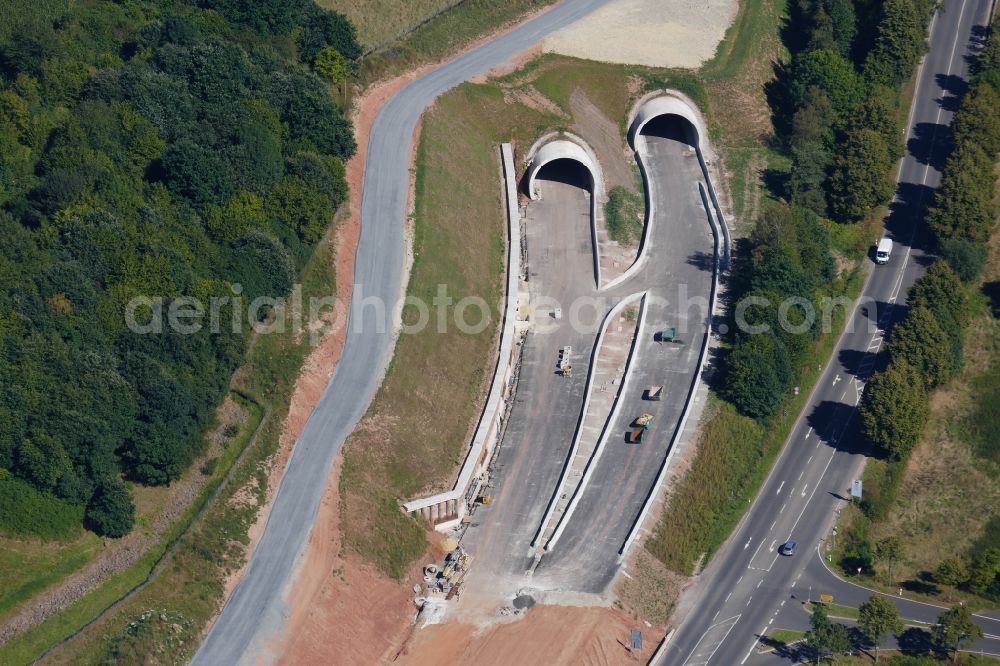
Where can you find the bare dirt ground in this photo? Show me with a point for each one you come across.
(605, 137)
(544, 635)
(341, 610)
(657, 33)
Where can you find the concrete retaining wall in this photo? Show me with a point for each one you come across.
(446, 510)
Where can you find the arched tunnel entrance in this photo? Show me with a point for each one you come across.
(566, 162)
(564, 182)
(671, 127)
(566, 171)
(668, 115)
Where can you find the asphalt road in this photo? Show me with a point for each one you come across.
(546, 410)
(680, 250)
(818, 578)
(546, 406)
(747, 586)
(255, 611)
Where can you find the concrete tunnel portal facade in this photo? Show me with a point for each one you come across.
(563, 149)
(659, 104)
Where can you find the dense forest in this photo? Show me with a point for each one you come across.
(158, 149)
(837, 118)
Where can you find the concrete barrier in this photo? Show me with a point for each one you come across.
(587, 391)
(606, 431)
(446, 510)
(689, 401)
(657, 656)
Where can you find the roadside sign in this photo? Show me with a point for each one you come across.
(856, 488)
(826, 598)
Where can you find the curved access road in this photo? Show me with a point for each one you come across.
(255, 611)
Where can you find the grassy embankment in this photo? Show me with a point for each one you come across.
(206, 543)
(948, 495)
(779, 639)
(623, 214)
(29, 566)
(416, 431)
(402, 34)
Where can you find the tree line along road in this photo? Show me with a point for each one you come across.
(748, 586)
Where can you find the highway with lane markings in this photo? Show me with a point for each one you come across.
(748, 586)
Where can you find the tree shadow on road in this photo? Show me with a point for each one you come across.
(836, 425)
(929, 143)
(976, 43)
(797, 652)
(703, 261)
(914, 641)
(955, 86)
(854, 362)
(905, 210)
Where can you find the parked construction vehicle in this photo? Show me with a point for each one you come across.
(666, 335)
(639, 428)
(644, 420)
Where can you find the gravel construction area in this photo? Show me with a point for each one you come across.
(656, 33)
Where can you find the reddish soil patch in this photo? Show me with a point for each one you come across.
(546, 635)
(341, 610)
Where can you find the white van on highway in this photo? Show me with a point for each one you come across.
(883, 250)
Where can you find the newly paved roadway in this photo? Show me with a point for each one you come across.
(680, 265)
(748, 587)
(255, 610)
(547, 408)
